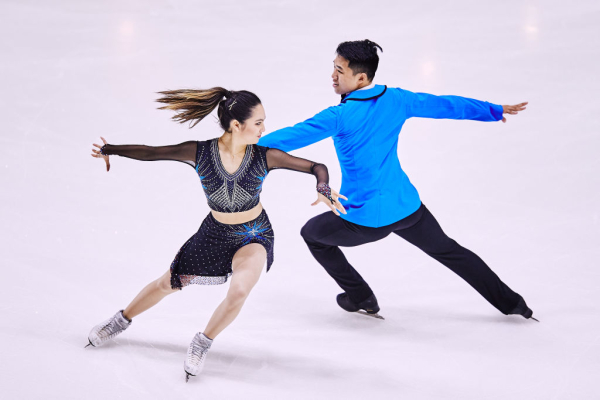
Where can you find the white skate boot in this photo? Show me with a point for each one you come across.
(196, 354)
(108, 329)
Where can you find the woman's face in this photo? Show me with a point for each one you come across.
(253, 128)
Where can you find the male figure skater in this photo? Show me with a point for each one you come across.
(381, 199)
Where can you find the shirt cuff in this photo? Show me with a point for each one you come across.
(496, 111)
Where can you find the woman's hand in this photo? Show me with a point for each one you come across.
(97, 154)
(335, 206)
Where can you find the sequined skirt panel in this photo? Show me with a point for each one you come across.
(206, 257)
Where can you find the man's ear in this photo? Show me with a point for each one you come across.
(362, 78)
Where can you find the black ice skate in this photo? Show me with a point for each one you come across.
(523, 310)
(366, 307)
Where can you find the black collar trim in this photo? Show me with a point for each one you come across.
(345, 99)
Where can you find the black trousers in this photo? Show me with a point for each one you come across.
(325, 233)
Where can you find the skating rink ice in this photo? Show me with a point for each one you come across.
(79, 243)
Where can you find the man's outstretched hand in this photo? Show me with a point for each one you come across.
(513, 110)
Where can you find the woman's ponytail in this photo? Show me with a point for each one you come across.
(193, 105)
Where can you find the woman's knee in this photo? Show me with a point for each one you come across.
(238, 294)
(163, 284)
(246, 272)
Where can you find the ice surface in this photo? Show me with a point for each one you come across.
(77, 243)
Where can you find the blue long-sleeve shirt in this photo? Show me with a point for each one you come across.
(365, 128)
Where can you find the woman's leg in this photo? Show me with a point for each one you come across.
(154, 292)
(247, 266)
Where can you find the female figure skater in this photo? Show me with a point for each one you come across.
(236, 237)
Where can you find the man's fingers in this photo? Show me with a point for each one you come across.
(518, 107)
(514, 108)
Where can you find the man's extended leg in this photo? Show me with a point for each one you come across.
(324, 233)
(429, 237)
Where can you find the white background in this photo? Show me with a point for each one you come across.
(77, 243)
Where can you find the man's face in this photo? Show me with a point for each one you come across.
(344, 80)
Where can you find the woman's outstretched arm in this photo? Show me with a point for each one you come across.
(184, 152)
(279, 159)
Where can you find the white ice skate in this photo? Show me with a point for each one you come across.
(196, 354)
(108, 329)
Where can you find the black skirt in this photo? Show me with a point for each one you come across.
(205, 259)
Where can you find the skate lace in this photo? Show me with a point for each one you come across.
(111, 328)
(197, 352)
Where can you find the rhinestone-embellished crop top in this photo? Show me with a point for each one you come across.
(226, 192)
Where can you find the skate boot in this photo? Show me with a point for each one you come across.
(108, 329)
(523, 310)
(366, 307)
(196, 354)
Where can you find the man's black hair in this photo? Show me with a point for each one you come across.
(361, 55)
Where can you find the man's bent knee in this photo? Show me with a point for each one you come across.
(308, 231)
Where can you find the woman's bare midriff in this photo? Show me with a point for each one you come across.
(238, 217)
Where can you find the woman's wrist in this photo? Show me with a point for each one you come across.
(103, 150)
(325, 190)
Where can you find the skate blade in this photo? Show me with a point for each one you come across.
(187, 376)
(535, 319)
(376, 315)
(89, 344)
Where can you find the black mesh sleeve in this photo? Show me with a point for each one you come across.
(280, 159)
(184, 152)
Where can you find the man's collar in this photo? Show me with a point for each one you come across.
(367, 93)
(371, 86)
